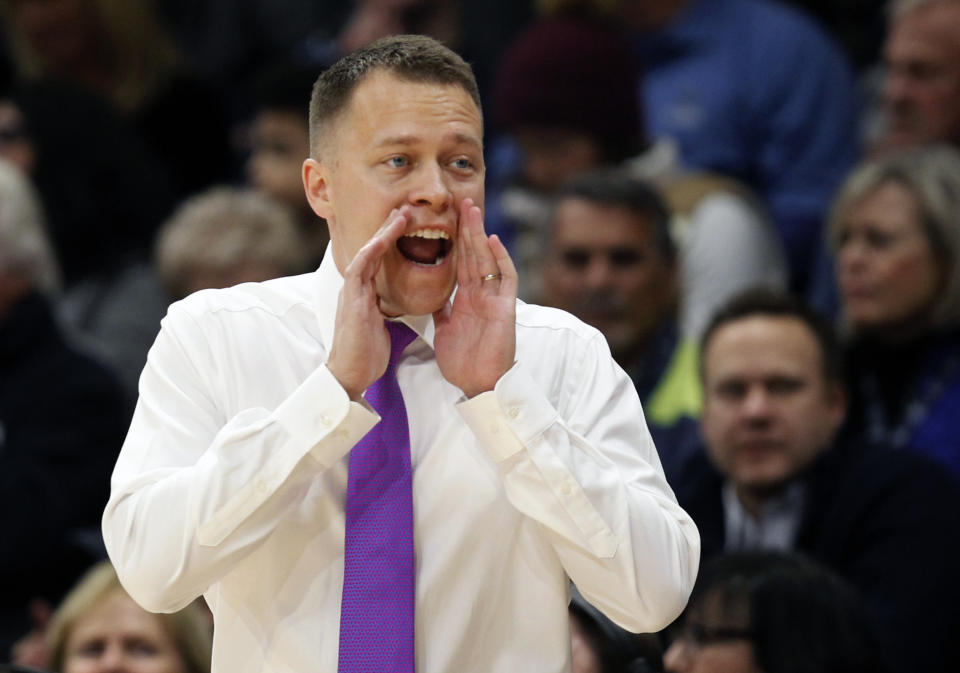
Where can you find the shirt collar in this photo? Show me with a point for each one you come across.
(329, 282)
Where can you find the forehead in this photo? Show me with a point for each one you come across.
(385, 107)
(583, 223)
(890, 205)
(116, 613)
(757, 347)
(928, 32)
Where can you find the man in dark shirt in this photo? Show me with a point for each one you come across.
(777, 473)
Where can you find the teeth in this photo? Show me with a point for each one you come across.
(438, 262)
(430, 233)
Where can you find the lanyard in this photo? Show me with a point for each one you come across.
(929, 390)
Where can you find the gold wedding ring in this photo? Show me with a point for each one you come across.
(491, 276)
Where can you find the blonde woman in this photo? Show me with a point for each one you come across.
(98, 627)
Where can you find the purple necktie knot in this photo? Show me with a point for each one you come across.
(400, 337)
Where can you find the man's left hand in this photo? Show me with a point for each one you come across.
(475, 339)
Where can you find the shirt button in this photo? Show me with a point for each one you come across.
(566, 489)
(513, 412)
(494, 428)
(325, 421)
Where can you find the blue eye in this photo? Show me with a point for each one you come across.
(397, 162)
(463, 164)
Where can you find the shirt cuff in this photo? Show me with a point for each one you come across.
(318, 418)
(509, 417)
(321, 409)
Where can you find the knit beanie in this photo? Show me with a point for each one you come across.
(572, 73)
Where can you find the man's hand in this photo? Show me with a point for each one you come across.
(361, 345)
(475, 340)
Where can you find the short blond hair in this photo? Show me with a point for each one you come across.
(225, 227)
(189, 628)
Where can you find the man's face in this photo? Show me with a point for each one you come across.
(605, 267)
(922, 91)
(279, 142)
(401, 143)
(768, 410)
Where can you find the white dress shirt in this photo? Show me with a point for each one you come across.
(232, 480)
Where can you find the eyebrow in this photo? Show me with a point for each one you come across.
(409, 139)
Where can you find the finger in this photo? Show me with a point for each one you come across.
(509, 278)
(467, 226)
(366, 262)
(483, 257)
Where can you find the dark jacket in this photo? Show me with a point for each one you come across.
(884, 520)
(63, 418)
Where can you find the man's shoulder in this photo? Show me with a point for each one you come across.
(537, 323)
(276, 297)
(874, 479)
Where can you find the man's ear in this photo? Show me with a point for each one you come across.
(317, 188)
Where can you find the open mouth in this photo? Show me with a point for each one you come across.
(426, 247)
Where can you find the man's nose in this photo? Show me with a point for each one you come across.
(597, 273)
(756, 403)
(431, 189)
(896, 87)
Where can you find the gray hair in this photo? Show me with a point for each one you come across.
(225, 227)
(25, 248)
(932, 175)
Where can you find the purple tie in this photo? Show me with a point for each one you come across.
(376, 611)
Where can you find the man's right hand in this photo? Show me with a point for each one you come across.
(361, 344)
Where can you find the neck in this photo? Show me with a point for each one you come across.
(753, 498)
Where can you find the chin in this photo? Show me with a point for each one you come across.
(416, 303)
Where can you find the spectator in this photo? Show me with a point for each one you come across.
(279, 141)
(611, 262)
(922, 88)
(755, 90)
(120, 50)
(777, 475)
(102, 216)
(62, 421)
(98, 627)
(896, 233)
(600, 646)
(584, 114)
(227, 236)
(776, 613)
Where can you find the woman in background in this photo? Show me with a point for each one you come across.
(98, 627)
(895, 230)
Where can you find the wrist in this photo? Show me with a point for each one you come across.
(353, 390)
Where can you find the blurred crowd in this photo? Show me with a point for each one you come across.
(757, 202)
